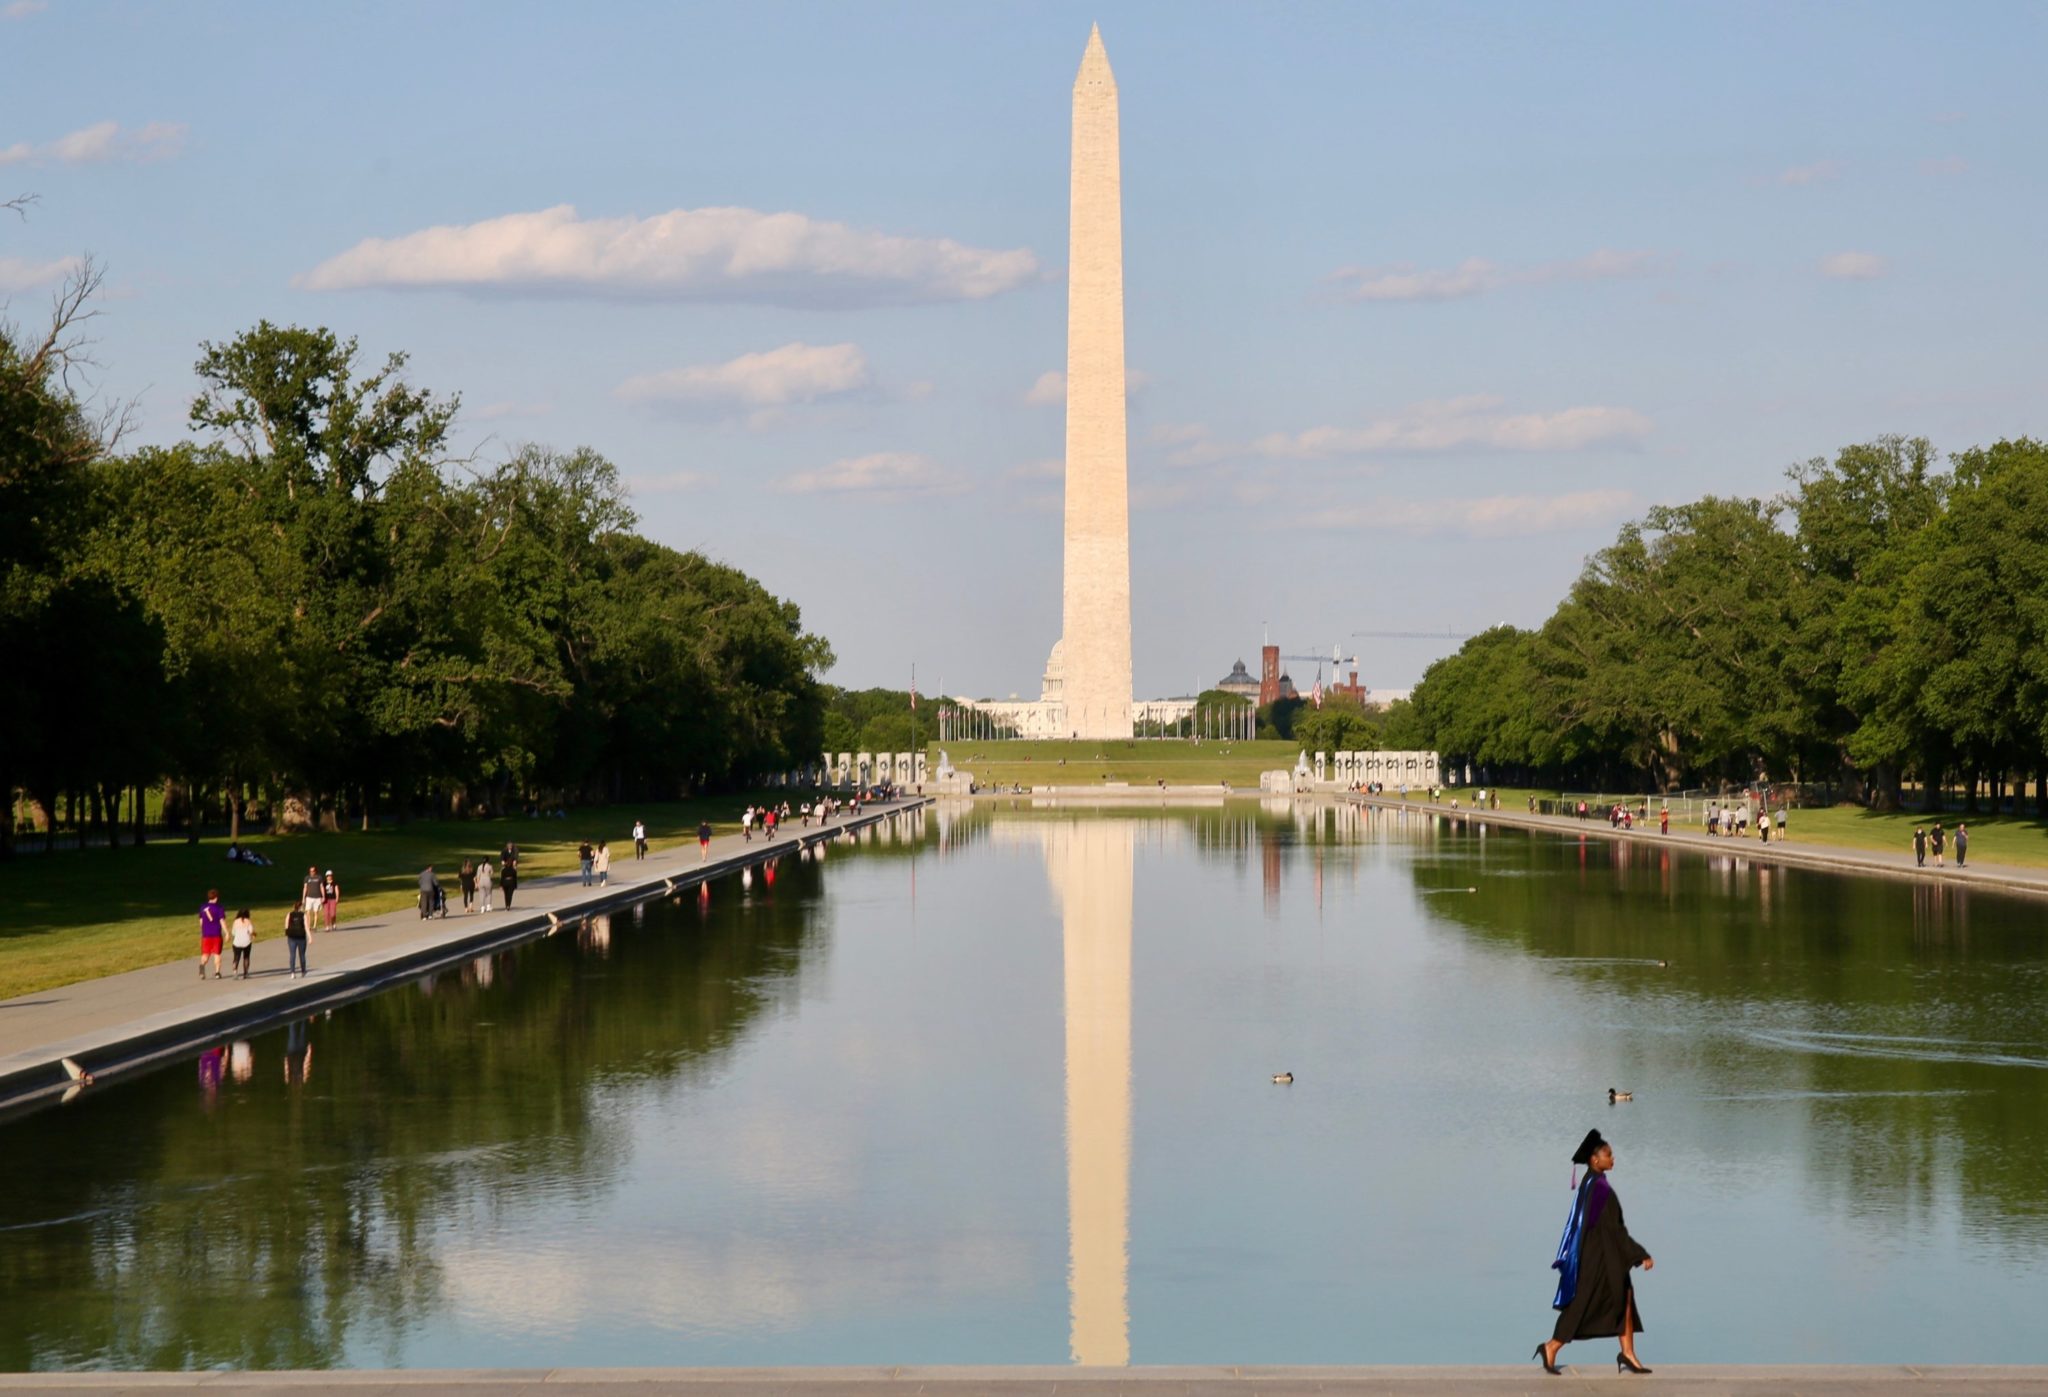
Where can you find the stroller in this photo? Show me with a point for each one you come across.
(433, 904)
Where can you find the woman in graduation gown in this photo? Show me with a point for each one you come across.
(1594, 1295)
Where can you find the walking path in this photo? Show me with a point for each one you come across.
(2003, 877)
(1842, 1381)
(126, 1022)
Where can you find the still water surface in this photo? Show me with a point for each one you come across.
(997, 1090)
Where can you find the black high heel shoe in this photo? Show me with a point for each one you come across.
(1624, 1364)
(1553, 1371)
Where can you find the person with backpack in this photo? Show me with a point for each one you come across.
(295, 941)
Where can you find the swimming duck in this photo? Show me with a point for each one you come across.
(1614, 1096)
(1284, 1079)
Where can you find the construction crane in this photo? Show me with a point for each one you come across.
(1413, 635)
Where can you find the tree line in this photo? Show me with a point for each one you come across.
(314, 605)
(1880, 624)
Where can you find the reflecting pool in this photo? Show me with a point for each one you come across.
(995, 1087)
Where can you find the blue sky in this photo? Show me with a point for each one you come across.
(1422, 301)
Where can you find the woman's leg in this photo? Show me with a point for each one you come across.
(1628, 1328)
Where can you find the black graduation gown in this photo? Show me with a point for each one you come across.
(1606, 1255)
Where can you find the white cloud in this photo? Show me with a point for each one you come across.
(1489, 516)
(883, 472)
(1051, 388)
(22, 9)
(19, 274)
(667, 482)
(1819, 172)
(712, 254)
(770, 378)
(99, 143)
(1188, 444)
(1852, 266)
(1945, 165)
(1476, 276)
(1050, 468)
(1468, 423)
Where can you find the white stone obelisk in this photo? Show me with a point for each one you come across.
(1095, 646)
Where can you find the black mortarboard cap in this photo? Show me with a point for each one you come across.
(1592, 1142)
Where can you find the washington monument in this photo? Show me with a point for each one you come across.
(1092, 663)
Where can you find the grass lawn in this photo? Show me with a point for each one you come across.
(1146, 763)
(78, 915)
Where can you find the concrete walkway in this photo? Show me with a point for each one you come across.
(2003, 877)
(1065, 1382)
(124, 1023)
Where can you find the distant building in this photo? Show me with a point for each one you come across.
(1239, 681)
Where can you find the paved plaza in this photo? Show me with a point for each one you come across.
(1822, 1381)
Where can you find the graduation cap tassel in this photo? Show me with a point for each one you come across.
(1575, 1178)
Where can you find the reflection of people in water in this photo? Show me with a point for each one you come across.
(210, 1064)
(1595, 1296)
(241, 1060)
(298, 1054)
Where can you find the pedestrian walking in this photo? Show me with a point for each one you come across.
(603, 864)
(465, 878)
(213, 926)
(1595, 1294)
(1784, 819)
(747, 824)
(1664, 820)
(309, 893)
(295, 941)
(508, 874)
(330, 900)
(1919, 847)
(1962, 844)
(703, 840)
(242, 940)
(1763, 827)
(639, 840)
(585, 858)
(430, 892)
(769, 816)
(483, 885)
(1935, 839)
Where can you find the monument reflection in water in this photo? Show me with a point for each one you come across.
(1090, 865)
(995, 1090)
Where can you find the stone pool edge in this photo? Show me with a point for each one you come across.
(1825, 857)
(32, 1079)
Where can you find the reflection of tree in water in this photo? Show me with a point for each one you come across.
(1904, 1020)
(144, 1227)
